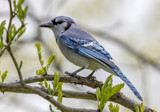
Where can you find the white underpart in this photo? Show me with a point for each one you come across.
(88, 44)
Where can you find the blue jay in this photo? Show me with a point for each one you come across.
(83, 50)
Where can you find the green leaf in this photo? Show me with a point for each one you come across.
(107, 92)
(142, 107)
(38, 45)
(50, 108)
(20, 65)
(45, 70)
(41, 83)
(51, 58)
(56, 80)
(21, 13)
(14, 4)
(116, 89)
(59, 89)
(1, 45)
(98, 94)
(154, 111)
(40, 72)
(41, 62)
(25, 12)
(49, 89)
(59, 99)
(4, 75)
(137, 108)
(12, 32)
(45, 83)
(106, 83)
(21, 32)
(59, 86)
(2, 28)
(113, 108)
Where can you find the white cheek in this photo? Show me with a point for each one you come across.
(59, 28)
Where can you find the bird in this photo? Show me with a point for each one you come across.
(83, 50)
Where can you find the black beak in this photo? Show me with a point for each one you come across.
(47, 25)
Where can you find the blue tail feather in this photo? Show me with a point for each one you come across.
(124, 78)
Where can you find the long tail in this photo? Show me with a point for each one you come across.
(124, 78)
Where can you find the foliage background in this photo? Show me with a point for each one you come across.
(135, 22)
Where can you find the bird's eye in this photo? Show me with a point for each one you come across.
(54, 22)
(59, 22)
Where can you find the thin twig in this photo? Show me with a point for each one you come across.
(2, 51)
(10, 20)
(16, 65)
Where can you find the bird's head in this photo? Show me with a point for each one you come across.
(59, 24)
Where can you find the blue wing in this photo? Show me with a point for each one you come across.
(93, 50)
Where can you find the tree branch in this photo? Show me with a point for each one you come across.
(54, 102)
(118, 98)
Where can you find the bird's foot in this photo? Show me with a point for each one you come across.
(72, 74)
(90, 77)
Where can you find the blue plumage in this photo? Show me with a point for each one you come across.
(83, 50)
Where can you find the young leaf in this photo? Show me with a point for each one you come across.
(115, 89)
(12, 32)
(20, 65)
(14, 4)
(106, 82)
(50, 108)
(1, 45)
(2, 27)
(142, 107)
(45, 70)
(40, 72)
(107, 92)
(45, 83)
(59, 89)
(55, 82)
(21, 32)
(49, 89)
(21, 13)
(137, 108)
(38, 45)
(41, 62)
(25, 11)
(154, 111)
(113, 108)
(4, 75)
(51, 58)
(41, 83)
(98, 94)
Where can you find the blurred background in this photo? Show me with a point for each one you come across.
(128, 29)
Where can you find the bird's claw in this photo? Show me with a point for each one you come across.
(71, 74)
(91, 77)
